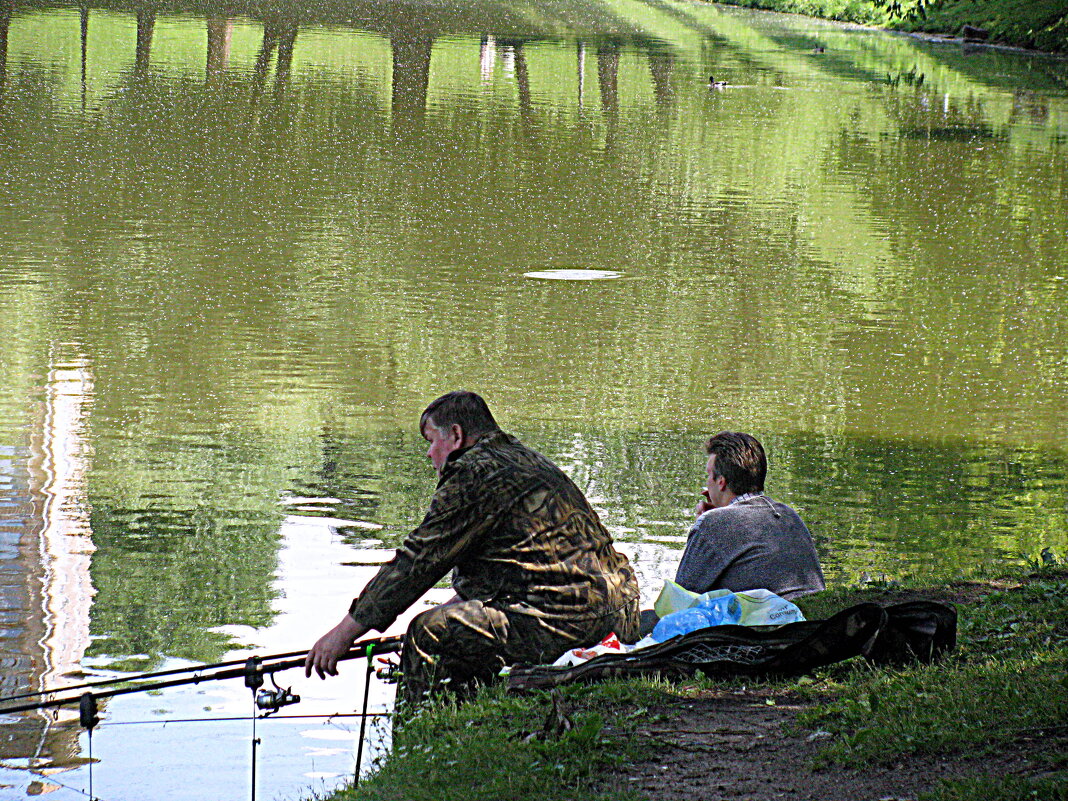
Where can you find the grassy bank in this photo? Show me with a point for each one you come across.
(1003, 686)
(1035, 24)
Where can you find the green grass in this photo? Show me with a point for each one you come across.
(483, 750)
(1010, 788)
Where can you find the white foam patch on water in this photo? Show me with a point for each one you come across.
(573, 275)
(327, 734)
(324, 752)
(332, 522)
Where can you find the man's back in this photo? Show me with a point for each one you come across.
(517, 533)
(543, 548)
(753, 543)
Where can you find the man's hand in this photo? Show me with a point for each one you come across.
(333, 645)
(704, 504)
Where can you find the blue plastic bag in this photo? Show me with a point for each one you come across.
(716, 611)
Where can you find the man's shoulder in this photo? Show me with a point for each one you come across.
(751, 510)
(779, 506)
(501, 457)
(774, 516)
(761, 501)
(720, 517)
(501, 448)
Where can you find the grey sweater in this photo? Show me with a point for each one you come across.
(751, 544)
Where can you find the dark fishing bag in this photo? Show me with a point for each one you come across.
(918, 630)
(915, 631)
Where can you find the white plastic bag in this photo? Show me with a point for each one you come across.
(765, 608)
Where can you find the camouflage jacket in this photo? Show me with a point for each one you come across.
(516, 532)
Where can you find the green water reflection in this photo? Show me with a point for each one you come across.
(272, 239)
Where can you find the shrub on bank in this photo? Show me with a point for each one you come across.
(1036, 24)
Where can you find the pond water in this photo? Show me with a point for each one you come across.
(240, 250)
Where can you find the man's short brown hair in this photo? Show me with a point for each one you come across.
(740, 459)
(460, 407)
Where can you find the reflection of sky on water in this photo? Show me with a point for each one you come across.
(46, 592)
(46, 585)
(13, 592)
(66, 538)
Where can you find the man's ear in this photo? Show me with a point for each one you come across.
(456, 431)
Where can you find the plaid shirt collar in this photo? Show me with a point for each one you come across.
(746, 497)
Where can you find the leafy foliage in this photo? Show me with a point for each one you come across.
(907, 8)
(864, 12)
(1039, 24)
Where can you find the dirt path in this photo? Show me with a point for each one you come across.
(734, 745)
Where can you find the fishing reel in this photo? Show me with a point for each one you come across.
(272, 699)
(387, 670)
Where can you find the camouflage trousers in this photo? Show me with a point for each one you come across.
(459, 645)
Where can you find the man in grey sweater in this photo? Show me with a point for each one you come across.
(743, 540)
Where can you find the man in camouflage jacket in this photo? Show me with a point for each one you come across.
(534, 571)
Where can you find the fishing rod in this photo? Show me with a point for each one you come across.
(142, 677)
(157, 674)
(252, 669)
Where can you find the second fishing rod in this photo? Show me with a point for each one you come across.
(254, 665)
